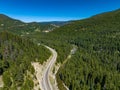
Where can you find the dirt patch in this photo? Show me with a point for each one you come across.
(39, 70)
(38, 73)
(1, 82)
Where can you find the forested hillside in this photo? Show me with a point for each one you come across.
(16, 55)
(96, 64)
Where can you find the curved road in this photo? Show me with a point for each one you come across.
(45, 80)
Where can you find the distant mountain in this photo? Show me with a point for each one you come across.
(57, 23)
(19, 27)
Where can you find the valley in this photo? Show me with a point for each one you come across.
(86, 51)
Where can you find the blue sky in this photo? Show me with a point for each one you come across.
(55, 10)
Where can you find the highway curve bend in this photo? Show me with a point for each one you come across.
(46, 85)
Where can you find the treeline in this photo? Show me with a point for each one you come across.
(16, 55)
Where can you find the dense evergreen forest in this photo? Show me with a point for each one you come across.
(96, 64)
(16, 55)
